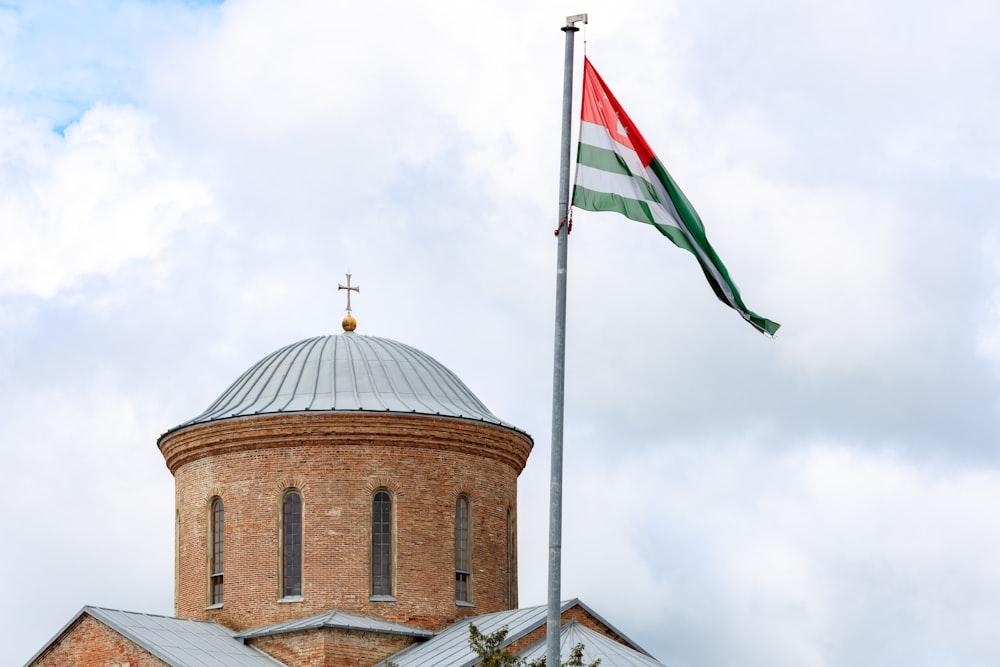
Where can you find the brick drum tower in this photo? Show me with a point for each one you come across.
(346, 502)
(345, 472)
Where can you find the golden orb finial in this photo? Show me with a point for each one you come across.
(349, 323)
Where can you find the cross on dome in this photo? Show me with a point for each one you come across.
(349, 323)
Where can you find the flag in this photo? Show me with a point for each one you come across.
(617, 171)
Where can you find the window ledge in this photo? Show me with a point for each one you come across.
(291, 598)
(382, 598)
(463, 603)
(214, 606)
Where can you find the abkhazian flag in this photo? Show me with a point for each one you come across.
(617, 171)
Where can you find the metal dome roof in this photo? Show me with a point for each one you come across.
(347, 372)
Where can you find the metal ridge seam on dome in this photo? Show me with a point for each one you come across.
(265, 380)
(400, 379)
(379, 351)
(298, 348)
(411, 352)
(224, 397)
(348, 360)
(237, 394)
(319, 368)
(332, 371)
(355, 345)
(463, 396)
(303, 349)
(461, 392)
(231, 389)
(494, 421)
(265, 370)
(415, 356)
(307, 366)
(453, 386)
(366, 348)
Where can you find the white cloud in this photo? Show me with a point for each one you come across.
(89, 202)
(790, 559)
(988, 326)
(827, 147)
(82, 508)
(829, 262)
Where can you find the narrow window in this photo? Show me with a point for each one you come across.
(217, 540)
(291, 547)
(177, 553)
(463, 566)
(382, 544)
(511, 563)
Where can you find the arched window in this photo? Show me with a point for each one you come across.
(217, 541)
(291, 544)
(382, 544)
(463, 564)
(177, 553)
(511, 562)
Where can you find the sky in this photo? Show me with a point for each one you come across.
(183, 185)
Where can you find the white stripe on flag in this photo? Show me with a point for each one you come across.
(597, 136)
(665, 213)
(606, 181)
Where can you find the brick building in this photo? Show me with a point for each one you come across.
(346, 501)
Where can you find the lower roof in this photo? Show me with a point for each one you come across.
(450, 646)
(338, 620)
(183, 642)
(179, 642)
(595, 647)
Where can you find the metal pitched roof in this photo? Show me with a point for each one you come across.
(340, 620)
(595, 647)
(188, 643)
(451, 646)
(178, 642)
(347, 372)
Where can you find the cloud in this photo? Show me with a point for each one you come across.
(88, 202)
(58, 59)
(84, 505)
(823, 555)
(182, 188)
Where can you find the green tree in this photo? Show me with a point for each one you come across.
(490, 653)
(487, 647)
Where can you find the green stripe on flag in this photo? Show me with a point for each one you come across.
(695, 228)
(602, 158)
(609, 161)
(617, 171)
(593, 200)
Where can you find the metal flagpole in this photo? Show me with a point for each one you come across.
(552, 626)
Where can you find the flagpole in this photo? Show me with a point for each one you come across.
(552, 627)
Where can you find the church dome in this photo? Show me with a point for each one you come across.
(347, 373)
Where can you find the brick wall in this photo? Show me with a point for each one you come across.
(332, 647)
(89, 642)
(337, 461)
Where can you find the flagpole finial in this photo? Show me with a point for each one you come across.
(349, 323)
(571, 21)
